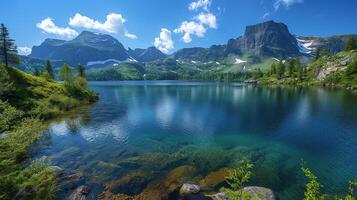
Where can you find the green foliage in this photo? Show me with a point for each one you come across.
(352, 191)
(49, 70)
(6, 83)
(8, 116)
(351, 43)
(347, 78)
(313, 187)
(8, 49)
(37, 179)
(25, 100)
(66, 75)
(236, 180)
(81, 70)
(37, 72)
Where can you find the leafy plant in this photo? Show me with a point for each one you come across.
(352, 191)
(236, 180)
(313, 187)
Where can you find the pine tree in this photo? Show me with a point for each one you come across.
(81, 70)
(291, 68)
(273, 69)
(49, 69)
(36, 72)
(280, 69)
(8, 49)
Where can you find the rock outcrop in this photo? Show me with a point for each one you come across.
(80, 193)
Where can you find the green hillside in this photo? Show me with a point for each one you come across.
(25, 102)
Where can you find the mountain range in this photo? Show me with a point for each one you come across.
(260, 45)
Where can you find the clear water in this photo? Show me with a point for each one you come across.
(208, 126)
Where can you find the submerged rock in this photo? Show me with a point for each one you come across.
(130, 184)
(165, 188)
(188, 188)
(214, 179)
(219, 196)
(80, 193)
(58, 170)
(259, 193)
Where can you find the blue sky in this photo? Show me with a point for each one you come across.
(172, 24)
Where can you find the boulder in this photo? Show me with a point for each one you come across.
(188, 188)
(262, 193)
(80, 193)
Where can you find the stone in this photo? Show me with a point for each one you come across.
(58, 170)
(219, 196)
(3, 136)
(214, 179)
(80, 193)
(188, 188)
(261, 193)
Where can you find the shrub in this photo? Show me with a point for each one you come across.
(6, 83)
(8, 115)
(236, 180)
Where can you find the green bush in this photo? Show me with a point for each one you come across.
(9, 115)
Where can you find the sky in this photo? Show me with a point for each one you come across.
(170, 24)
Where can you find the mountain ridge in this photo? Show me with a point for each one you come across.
(268, 39)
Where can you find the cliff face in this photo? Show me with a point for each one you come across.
(268, 39)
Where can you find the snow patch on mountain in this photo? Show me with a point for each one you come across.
(239, 61)
(305, 46)
(283, 61)
(102, 62)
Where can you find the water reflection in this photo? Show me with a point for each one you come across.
(211, 126)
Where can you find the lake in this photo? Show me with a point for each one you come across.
(143, 134)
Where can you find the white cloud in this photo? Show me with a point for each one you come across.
(164, 42)
(24, 50)
(286, 3)
(190, 28)
(266, 15)
(48, 26)
(200, 4)
(207, 19)
(114, 24)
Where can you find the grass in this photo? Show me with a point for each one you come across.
(26, 101)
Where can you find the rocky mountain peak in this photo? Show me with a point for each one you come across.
(268, 38)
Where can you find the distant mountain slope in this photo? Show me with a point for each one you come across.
(86, 47)
(333, 44)
(30, 65)
(261, 45)
(146, 55)
(92, 48)
(267, 39)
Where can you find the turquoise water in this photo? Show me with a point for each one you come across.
(153, 127)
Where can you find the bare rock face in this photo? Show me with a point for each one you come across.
(268, 38)
(188, 189)
(80, 193)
